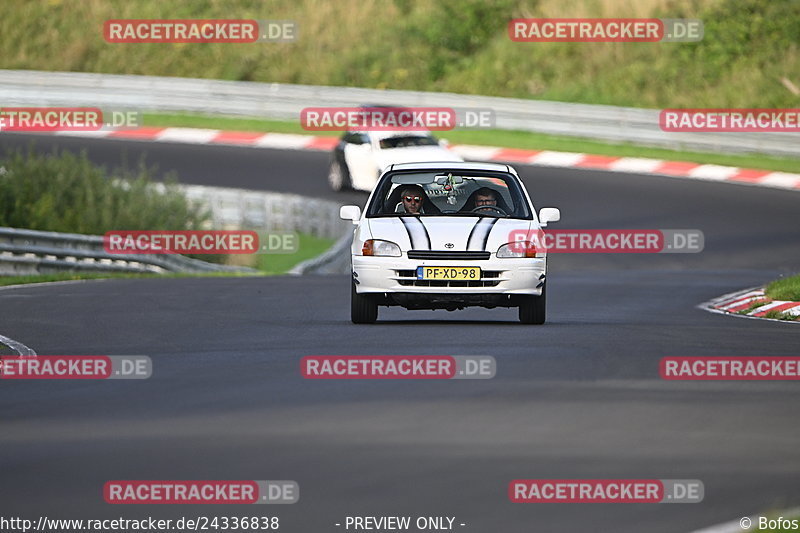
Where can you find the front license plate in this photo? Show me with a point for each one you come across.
(449, 273)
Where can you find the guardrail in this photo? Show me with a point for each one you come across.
(268, 211)
(28, 252)
(284, 101)
(335, 261)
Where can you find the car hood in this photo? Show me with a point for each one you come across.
(457, 233)
(413, 154)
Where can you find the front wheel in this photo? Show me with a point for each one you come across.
(363, 308)
(532, 308)
(338, 177)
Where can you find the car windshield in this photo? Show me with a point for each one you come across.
(484, 194)
(403, 141)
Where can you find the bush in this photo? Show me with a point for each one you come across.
(68, 193)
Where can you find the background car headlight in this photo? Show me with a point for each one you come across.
(517, 249)
(380, 248)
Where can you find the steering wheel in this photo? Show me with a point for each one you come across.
(499, 210)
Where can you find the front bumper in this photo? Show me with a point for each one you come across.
(500, 277)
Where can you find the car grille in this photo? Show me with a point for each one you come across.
(408, 278)
(444, 254)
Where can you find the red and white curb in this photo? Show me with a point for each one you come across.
(546, 158)
(736, 302)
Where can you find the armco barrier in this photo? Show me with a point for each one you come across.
(284, 101)
(27, 252)
(335, 261)
(268, 211)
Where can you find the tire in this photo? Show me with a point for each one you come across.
(533, 309)
(363, 309)
(338, 175)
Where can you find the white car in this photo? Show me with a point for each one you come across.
(448, 236)
(359, 158)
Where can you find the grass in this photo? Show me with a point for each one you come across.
(309, 246)
(753, 305)
(76, 276)
(785, 289)
(780, 315)
(749, 56)
(506, 139)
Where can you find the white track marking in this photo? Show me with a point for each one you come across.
(17, 346)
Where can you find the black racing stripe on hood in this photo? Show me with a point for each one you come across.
(420, 240)
(427, 235)
(472, 231)
(405, 226)
(479, 235)
(491, 227)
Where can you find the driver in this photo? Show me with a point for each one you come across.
(413, 199)
(485, 196)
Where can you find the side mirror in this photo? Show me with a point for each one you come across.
(444, 142)
(350, 212)
(549, 214)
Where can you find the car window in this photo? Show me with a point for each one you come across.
(405, 141)
(356, 138)
(445, 194)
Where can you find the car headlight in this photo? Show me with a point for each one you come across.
(380, 248)
(517, 249)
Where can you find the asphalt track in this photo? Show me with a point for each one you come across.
(579, 397)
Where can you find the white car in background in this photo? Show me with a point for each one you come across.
(359, 158)
(462, 248)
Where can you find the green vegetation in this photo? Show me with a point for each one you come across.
(65, 276)
(67, 193)
(507, 139)
(779, 315)
(309, 246)
(785, 289)
(749, 57)
(87, 276)
(755, 304)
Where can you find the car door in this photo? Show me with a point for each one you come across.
(360, 161)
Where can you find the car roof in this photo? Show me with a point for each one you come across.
(402, 133)
(453, 165)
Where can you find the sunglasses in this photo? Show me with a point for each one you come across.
(416, 199)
